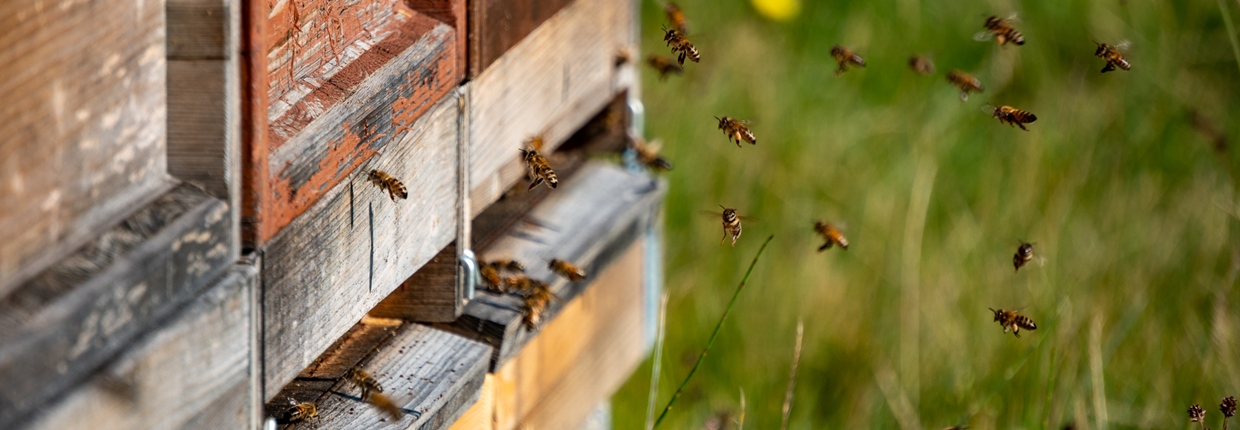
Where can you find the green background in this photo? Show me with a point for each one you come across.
(1129, 204)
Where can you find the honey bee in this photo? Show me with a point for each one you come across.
(1001, 30)
(1112, 56)
(506, 264)
(301, 411)
(1013, 321)
(965, 82)
(382, 403)
(537, 167)
(364, 381)
(831, 234)
(566, 270)
(534, 305)
(1012, 116)
(736, 130)
(1024, 253)
(387, 183)
(731, 223)
(623, 56)
(920, 64)
(491, 276)
(681, 45)
(525, 286)
(845, 56)
(648, 154)
(663, 65)
(676, 16)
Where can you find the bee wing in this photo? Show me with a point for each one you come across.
(1124, 45)
(983, 36)
(989, 108)
(749, 219)
(711, 213)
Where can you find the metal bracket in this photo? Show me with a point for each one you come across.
(469, 263)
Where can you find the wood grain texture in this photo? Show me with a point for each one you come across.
(200, 29)
(430, 295)
(480, 416)
(589, 220)
(580, 358)
(191, 372)
(318, 273)
(498, 25)
(549, 84)
(58, 327)
(454, 13)
(433, 375)
(84, 118)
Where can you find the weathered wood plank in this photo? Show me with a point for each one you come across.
(580, 358)
(433, 375)
(191, 372)
(498, 25)
(84, 118)
(200, 29)
(454, 13)
(355, 245)
(589, 220)
(480, 416)
(535, 88)
(430, 295)
(61, 325)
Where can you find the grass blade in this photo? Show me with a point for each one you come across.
(657, 364)
(792, 375)
(713, 334)
(1231, 31)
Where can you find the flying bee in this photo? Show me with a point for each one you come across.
(1024, 253)
(1112, 56)
(965, 82)
(364, 381)
(382, 403)
(1001, 30)
(1013, 321)
(648, 154)
(623, 56)
(736, 130)
(387, 183)
(845, 56)
(831, 234)
(664, 65)
(566, 270)
(1011, 116)
(921, 64)
(681, 45)
(301, 411)
(731, 223)
(537, 167)
(676, 17)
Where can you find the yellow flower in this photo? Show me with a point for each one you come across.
(778, 10)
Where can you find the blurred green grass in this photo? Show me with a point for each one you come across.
(1127, 202)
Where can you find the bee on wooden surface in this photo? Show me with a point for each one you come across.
(537, 167)
(921, 64)
(624, 55)
(1011, 116)
(301, 411)
(525, 286)
(845, 56)
(533, 307)
(1001, 30)
(507, 264)
(831, 234)
(566, 269)
(382, 403)
(681, 44)
(737, 130)
(648, 154)
(1010, 320)
(387, 183)
(676, 17)
(1113, 57)
(665, 66)
(731, 223)
(364, 381)
(491, 276)
(965, 82)
(1024, 253)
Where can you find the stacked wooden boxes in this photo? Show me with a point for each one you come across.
(189, 238)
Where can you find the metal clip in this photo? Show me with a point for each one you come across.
(637, 113)
(470, 263)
